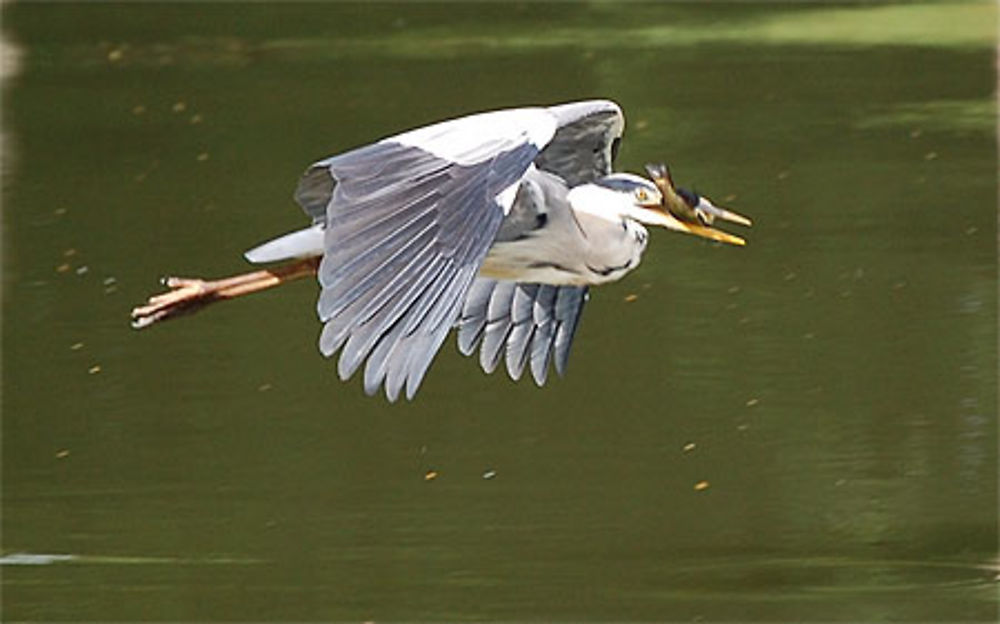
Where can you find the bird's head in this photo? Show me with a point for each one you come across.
(654, 201)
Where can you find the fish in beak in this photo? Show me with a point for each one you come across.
(684, 211)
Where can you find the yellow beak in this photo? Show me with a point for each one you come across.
(712, 234)
(669, 221)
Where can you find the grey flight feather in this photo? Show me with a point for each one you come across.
(522, 324)
(406, 232)
(585, 142)
(314, 191)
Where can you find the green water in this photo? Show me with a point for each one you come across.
(801, 429)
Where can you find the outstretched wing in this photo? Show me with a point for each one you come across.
(408, 221)
(523, 322)
(585, 143)
(520, 323)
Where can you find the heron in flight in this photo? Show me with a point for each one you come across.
(495, 224)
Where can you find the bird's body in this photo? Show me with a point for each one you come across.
(496, 223)
(545, 240)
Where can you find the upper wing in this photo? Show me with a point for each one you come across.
(408, 222)
(586, 141)
(521, 323)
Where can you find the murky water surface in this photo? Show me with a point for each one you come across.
(802, 429)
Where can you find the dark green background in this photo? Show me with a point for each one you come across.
(837, 377)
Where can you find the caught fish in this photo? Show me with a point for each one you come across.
(696, 212)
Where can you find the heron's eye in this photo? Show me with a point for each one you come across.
(642, 195)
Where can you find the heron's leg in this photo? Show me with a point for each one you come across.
(188, 295)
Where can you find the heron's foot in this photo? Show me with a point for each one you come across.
(185, 295)
(189, 295)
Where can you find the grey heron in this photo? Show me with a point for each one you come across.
(495, 223)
